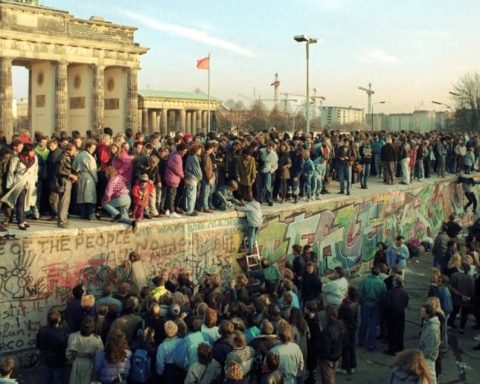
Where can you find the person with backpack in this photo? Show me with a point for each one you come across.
(206, 370)
(141, 362)
(331, 342)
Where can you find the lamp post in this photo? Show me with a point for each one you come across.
(378, 102)
(308, 40)
(439, 103)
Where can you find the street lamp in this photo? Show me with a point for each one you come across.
(308, 40)
(378, 102)
(439, 103)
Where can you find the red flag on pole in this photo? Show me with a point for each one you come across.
(203, 63)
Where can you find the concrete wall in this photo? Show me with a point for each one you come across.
(43, 97)
(38, 271)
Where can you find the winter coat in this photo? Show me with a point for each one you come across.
(311, 287)
(220, 349)
(371, 290)
(440, 246)
(462, 285)
(193, 170)
(63, 171)
(207, 167)
(20, 178)
(246, 170)
(243, 356)
(395, 302)
(397, 256)
(85, 167)
(124, 165)
(174, 170)
(253, 212)
(388, 153)
(80, 352)
(142, 196)
(51, 161)
(203, 374)
(430, 338)
(284, 164)
(107, 372)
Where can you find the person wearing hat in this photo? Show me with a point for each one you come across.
(141, 195)
(223, 198)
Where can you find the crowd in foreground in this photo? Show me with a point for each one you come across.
(272, 325)
(133, 177)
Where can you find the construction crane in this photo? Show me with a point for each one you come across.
(276, 88)
(286, 99)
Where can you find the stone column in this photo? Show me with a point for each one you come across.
(199, 122)
(30, 100)
(188, 125)
(145, 120)
(98, 98)
(182, 119)
(164, 125)
(61, 96)
(194, 123)
(132, 99)
(152, 124)
(6, 112)
(204, 121)
(158, 122)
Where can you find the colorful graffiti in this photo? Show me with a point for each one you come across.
(37, 272)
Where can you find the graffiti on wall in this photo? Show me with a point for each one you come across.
(39, 272)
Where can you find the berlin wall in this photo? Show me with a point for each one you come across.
(37, 272)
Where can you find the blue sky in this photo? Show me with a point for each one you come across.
(412, 51)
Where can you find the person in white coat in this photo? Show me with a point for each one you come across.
(336, 290)
(21, 179)
(85, 167)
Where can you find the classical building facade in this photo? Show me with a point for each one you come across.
(167, 111)
(82, 73)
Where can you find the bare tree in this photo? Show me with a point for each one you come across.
(467, 97)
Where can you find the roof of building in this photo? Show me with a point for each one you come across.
(175, 95)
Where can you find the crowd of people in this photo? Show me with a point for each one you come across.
(271, 325)
(136, 176)
(276, 324)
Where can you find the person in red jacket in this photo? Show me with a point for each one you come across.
(141, 194)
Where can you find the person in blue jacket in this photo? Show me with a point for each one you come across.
(397, 254)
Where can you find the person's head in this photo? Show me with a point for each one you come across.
(17, 146)
(70, 149)
(130, 306)
(6, 368)
(234, 371)
(116, 347)
(285, 334)
(340, 272)
(413, 362)
(352, 293)
(226, 328)
(54, 318)
(381, 246)
(397, 281)
(375, 271)
(204, 353)
(331, 313)
(239, 340)
(273, 361)
(435, 276)
(310, 267)
(87, 326)
(399, 241)
(211, 318)
(171, 328)
(426, 311)
(182, 149)
(52, 144)
(465, 266)
(297, 249)
(435, 303)
(78, 291)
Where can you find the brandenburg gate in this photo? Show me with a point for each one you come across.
(82, 73)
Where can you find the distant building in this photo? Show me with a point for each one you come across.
(335, 115)
(419, 121)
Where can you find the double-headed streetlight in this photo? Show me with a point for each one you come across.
(308, 40)
(439, 103)
(378, 102)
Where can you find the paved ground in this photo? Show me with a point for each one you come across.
(373, 367)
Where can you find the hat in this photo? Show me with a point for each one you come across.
(144, 177)
(187, 138)
(174, 309)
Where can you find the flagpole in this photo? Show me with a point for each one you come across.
(208, 113)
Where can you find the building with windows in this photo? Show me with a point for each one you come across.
(419, 121)
(335, 115)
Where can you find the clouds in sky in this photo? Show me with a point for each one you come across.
(378, 56)
(189, 33)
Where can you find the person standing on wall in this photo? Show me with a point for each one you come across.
(254, 221)
(270, 164)
(65, 177)
(389, 159)
(344, 166)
